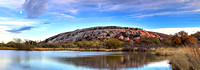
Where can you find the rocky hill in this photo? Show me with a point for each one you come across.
(103, 33)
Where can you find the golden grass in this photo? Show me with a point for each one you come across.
(165, 51)
(186, 59)
(47, 49)
(57, 49)
(74, 49)
(7, 48)
(157, 51)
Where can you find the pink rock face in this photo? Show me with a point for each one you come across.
(137, 38)
(121, 38)
(96, 33)
(127, 39)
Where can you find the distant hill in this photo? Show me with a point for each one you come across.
(103, 33)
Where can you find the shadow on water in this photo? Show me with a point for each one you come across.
(112, 61)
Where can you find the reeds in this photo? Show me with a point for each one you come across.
(188, 58)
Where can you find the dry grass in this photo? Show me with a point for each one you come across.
(7, 48)
(47, 49)
(186, 59)
(166, 51)
(74, 49)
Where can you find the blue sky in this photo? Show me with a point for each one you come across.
(40, 19)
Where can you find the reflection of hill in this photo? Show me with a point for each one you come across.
(116, 61)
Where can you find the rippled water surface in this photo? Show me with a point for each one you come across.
(78, 60)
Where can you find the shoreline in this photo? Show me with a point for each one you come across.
(157, 51)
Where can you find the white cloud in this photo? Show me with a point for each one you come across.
(73, 11)
(116, 7)
(16, 21)
(6, 37)
(190, 30)
(62, 15)
(67, 16)
(4, 28)
(140, 15)
(130, 5)
(198, 10)
(152, 7)
(12, 4)
(4, 18)
(147, 8)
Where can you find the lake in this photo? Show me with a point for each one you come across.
(80, 60)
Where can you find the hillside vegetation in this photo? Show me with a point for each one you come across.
(104, 33)
(141, 40)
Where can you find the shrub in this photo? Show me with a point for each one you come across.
(81, 44)
(2, 44)
(166, 41)
(89, 44)
(113, 43)
(150, 40)
(176, 41)
(67, 45)
(182, 38)
(190, 40)
(197, 36)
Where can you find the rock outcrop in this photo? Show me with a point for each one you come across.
(103, 33)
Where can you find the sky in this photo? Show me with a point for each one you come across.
(40, 19)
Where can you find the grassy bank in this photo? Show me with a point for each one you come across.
(157, 51)
(59, 49)
(7, 48)
(74, 49)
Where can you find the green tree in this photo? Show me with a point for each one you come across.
(89, 44)
(28, 44)
(113, 43)
(150, 40)
(166, 41)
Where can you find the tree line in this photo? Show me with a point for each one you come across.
(179, 39)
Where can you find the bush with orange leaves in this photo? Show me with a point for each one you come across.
(182, 38)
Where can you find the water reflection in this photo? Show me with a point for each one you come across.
(75, 60)
(17, 60)
(113, 61)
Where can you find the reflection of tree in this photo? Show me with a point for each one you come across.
(116, 61)
(22, 59)
(19, 60)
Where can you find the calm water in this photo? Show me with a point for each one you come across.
(76, 60)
